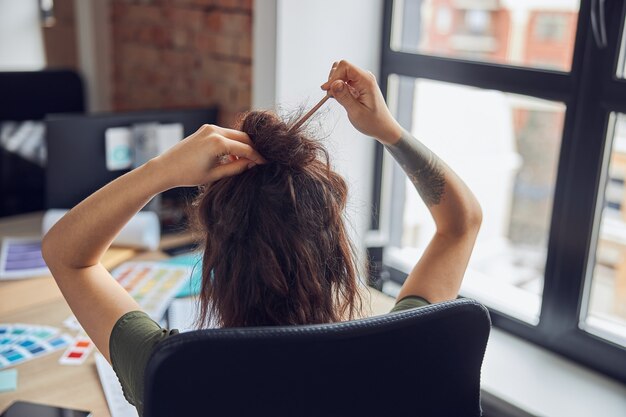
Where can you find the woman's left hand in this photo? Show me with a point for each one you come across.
(211, 153)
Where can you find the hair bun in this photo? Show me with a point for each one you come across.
(273, 139)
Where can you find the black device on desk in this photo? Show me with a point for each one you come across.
(77, 158)
(28, 409)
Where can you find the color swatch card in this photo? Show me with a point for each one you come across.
(22, 342)
(152, 284)
(21, 258)
(8, 380)
(77, 352)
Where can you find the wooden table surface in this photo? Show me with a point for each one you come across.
(38, 301)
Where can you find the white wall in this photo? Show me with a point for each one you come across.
(93, 36)
(308, 36)
(21, 41)
(264, 54)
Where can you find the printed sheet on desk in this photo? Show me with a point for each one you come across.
(118, 406)
(152, 284)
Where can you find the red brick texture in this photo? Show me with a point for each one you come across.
(181, 54)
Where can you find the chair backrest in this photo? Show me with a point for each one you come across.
(419, 362)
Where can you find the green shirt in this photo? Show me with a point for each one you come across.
(135, 335)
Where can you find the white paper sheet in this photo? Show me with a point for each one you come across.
(118, 406)
(182, 314)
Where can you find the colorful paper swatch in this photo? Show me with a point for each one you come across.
(22, 342)
(21, 258)
(152, 284)
(8, 380)
(77, 352)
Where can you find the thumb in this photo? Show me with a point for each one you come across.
(340, 92)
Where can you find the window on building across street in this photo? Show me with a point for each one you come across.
(550, 27)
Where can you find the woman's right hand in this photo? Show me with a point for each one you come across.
(209, 154)
(357, 91)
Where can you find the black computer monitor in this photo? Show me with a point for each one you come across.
(76, 149)
(29, 96)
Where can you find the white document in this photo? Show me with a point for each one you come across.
(145, 144)
(118, 406)
(182, 314)
(118, 146)
(168, 135)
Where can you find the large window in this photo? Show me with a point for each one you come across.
(505, 147)
(525, 101)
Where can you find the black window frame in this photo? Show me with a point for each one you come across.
(591, 91)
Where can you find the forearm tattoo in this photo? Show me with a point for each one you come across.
(422, 166)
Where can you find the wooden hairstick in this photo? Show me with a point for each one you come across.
(304, 118)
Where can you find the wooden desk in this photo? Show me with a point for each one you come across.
(38, 301)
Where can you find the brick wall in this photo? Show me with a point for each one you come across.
(182, 53)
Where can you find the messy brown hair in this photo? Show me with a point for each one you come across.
(276, 250)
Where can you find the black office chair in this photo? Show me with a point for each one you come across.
(419, 362)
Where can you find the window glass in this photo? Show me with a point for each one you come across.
(531, 33)
(621, 66)
(506, 148)
(604, 308)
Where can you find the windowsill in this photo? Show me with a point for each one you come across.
(500, 294)
(543, 383)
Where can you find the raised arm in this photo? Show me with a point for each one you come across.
(74, 246)
(438, 274)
